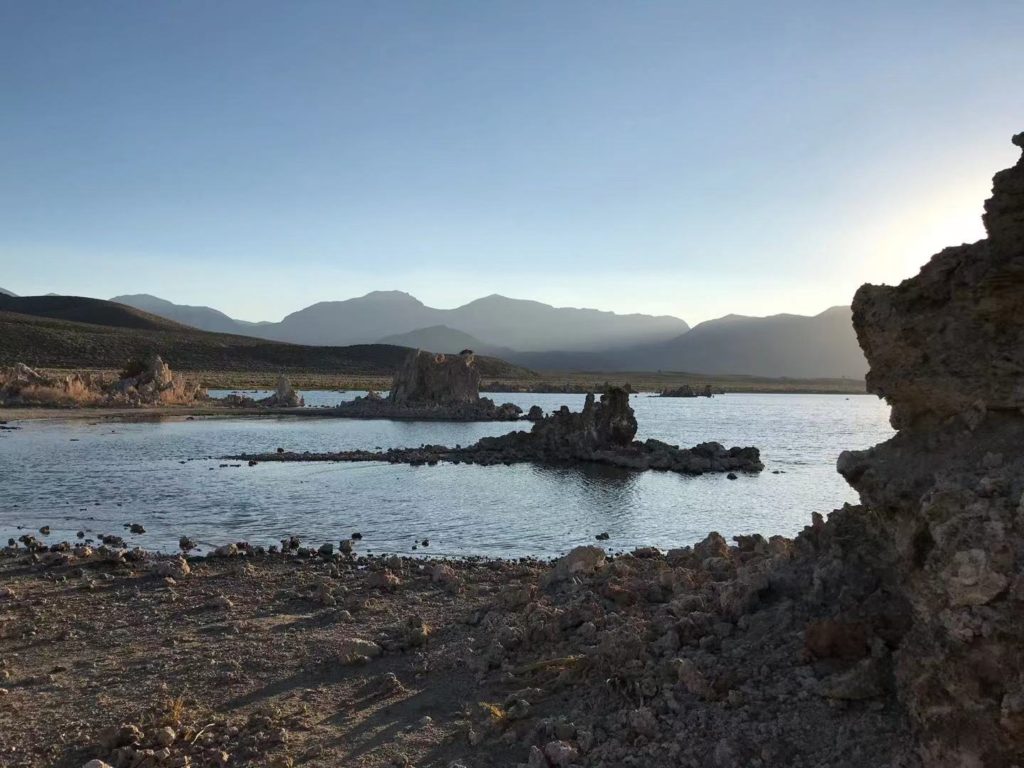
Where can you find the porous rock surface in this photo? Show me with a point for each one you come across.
(944, 498)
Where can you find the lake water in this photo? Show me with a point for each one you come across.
(165, 474)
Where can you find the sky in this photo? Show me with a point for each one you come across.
(693, 159)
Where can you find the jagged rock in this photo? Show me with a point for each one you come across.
(579, 561)
(943, 526)
(284, 396)
(431, 387)
(141, 383)
(426, 378)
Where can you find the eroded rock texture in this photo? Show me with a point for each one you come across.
(944, 498)
(426, 378)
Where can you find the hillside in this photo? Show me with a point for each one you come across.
(5, 292)
(203, 318)
(85, 310)
(56, 342)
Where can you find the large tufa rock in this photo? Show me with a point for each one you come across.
(284, 396)
(426, 378)
(601, 425)
(153, 383)
(945, 496)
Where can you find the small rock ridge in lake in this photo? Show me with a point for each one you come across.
(602, 432)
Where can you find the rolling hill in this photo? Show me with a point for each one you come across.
(86, 333)
(86, 310)
(5, 292)
(203, 318)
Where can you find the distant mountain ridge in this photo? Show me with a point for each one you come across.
(5, 292)
(80, 332)
(542, 337)
(794, 346)
(498, 321)
(203, 318)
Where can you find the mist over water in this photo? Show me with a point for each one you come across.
(167, 475)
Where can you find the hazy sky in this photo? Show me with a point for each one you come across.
(667, 157)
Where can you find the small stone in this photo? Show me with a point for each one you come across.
(165, 736)
(560, 753)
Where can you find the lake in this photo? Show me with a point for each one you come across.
(98, 475)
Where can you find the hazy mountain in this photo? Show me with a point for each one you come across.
(530, 325)
(498, 322)
(203, 318)
(78, 332)
(543, 337)
(441, 338)
(795, 346)
(363, 319)
(5, 292)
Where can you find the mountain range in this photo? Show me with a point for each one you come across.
(543, 337)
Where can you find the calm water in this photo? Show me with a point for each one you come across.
(98, 476)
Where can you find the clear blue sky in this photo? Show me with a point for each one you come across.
(670, 157)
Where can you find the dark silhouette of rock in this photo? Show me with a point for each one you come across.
(687, 391)
(431, 387)
(944, 499)
(436, 379)
(602, 433)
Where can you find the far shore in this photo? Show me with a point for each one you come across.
(553, 381)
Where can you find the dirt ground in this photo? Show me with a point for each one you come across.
(319, 658)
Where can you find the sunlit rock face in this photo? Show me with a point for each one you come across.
(945, 496)
(426, 378)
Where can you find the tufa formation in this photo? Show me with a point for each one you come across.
(944, 498)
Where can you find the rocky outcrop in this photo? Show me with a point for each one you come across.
(431, 387)
(153, 383)
(426, 378)
(687, 391)
(943, 500)
(141, 384)
(284, 396)
(601, 433)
